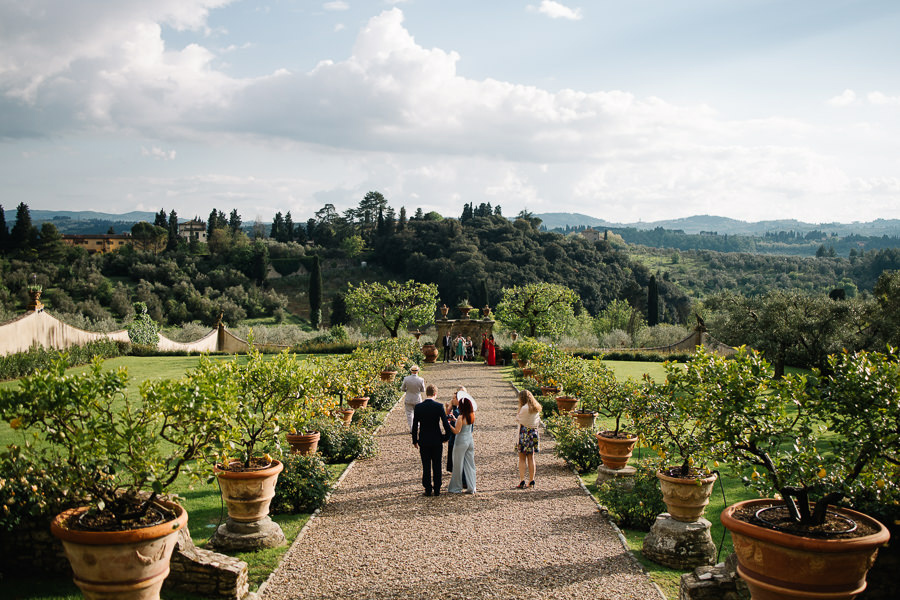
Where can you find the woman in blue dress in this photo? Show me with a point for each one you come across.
(463, 449)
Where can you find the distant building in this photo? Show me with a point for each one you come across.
(193, 230)
(97, 242)
(591, 235)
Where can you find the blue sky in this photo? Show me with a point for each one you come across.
(645, 110)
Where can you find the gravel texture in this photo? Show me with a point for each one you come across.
(380, 537)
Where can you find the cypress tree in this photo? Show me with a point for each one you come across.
(23, 235)
(172, 226)
(338, 311)
(315, 293)
(652, 302)
(4, 231)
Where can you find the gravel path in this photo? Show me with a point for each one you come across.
(380, 537)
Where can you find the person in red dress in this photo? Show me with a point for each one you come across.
(491, 352)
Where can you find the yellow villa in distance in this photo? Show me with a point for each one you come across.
(97, 242)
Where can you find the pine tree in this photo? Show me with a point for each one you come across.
(160, 220)
(277, 226)
(234, 221)
(401, 222)
(287, 233)
(315, 293)
(652, 302)
(23, 235)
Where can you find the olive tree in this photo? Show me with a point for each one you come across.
(392, 305)
(537, 308)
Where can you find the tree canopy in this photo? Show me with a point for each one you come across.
(538, 308)
(392, 305)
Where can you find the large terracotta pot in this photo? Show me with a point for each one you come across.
(549, 390)
(303, 443)
(615, 451)
(431, 353)
(522, 363)
(388, 375)
(782, 566)
(564, 404)
(584, 419)
(358, 402)
(527, 372)
(247, 494)
(128, 565)
(686, 498)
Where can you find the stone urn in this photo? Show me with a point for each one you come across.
(358, 402)
(785, 566)
(444, 310)
(464, 310)
(130, 564)
(486, 312)
(615, 450)
(686, 498)
(514, 336)
(35, 303)
(431, 352)
(303, 443)
(247, 495)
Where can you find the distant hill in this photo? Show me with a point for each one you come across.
(727, 226)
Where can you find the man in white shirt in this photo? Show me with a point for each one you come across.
(414, 386)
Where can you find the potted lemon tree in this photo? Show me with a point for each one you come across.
(121, 455)
(259, 394)
(806, 443)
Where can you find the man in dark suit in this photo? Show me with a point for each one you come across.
(448, 342)
(428, 416)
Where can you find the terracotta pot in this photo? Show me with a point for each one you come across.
(345, 415)
(388, 375)
(615, 452)
(247, 494)
(303, 443)
(686, 498)
(780, 566)
(431, 353)
(130, 565)
(527, 372)
(522, 363)
(584, 419)
(358, 402)
(564, 404)
(550, 390)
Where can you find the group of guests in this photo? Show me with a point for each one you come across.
(461, 348)
(426, 418)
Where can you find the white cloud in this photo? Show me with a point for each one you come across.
(846, 98)
(879, 98)
(336, 5)
(555, 10)
(158, 153)
(398, 117)
(339, 27)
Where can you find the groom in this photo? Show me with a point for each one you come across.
(426, 436)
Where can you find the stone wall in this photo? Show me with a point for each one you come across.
(33, 550)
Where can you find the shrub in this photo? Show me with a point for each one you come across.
(636, 508)
(38, 358)
(340, 444)
(302, 486)
(143, 330)
(366, 418)
(33, 490)
(384, 395)
(577, 446)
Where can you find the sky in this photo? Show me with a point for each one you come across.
(626, 111)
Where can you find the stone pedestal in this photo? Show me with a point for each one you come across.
(235, 536)
(680, 545)
(720, 582)
(624, 477)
